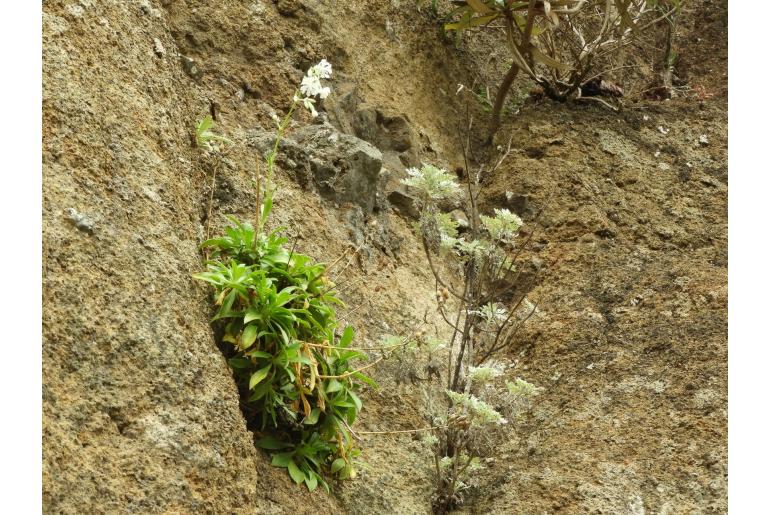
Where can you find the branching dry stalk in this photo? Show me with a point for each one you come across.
(561, 43)
(488, 259)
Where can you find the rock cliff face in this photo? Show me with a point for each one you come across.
(140, 411)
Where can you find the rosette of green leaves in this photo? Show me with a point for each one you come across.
(205, 138)
(277, 312)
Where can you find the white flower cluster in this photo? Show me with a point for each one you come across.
(486, 373)
(430, 440)
(311, 86)
(522, 388)
(473, 248)
(447, 228)
(492, 312)
(432, 183)
(482, 412)
(503, 226)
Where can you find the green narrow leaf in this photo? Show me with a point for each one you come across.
(204, 124)
(251, 314)
(520, 61)
(351, 416)
(343, 404)
(337, 465)
(547, 60)
(296, 474)
(239, 362)
(282, 459)
(478, 6)
(227, 307)
(259, 354)
(346, 356)
(302, 359)
(267, 206)
(282, 332)
(313, 417)
(365, 379)
(285, 296)
(258, 376)
(310, 481)
(473, 22)
(356, 400)
(249, 336)
(259, 392)
(333, 386)
(347, 336)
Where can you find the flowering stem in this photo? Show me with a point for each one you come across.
(265, 207)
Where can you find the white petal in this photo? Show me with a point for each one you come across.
(323, 69)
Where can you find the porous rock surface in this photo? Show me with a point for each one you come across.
(340, 167)
(140, 411)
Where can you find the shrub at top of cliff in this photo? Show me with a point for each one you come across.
(276, 309)
(563, 44)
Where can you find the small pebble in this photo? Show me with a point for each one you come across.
(81, 221)
(191, 68)
(160, 51)
(76, 11)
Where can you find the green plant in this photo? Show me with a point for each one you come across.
(206, 139)
(484, 101)
(275, 309)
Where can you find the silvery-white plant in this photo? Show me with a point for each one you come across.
(485, 248)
